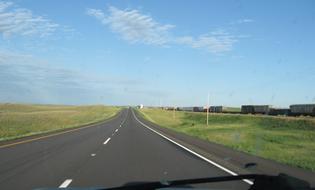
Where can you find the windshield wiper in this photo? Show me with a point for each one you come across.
(261, 182)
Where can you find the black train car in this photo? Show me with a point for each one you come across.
(216, 109)
(247, 109)
(255, 109)
(279, 111)
(302, 109)
(198, 109)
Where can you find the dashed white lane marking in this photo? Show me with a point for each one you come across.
(119, 125)
(116, 130)
(66, 183)
(93, 154)
(123, 121)
(107, 141)
(191, 151)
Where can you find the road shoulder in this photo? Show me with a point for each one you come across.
(229, 158)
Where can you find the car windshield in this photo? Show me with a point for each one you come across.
(117, 93)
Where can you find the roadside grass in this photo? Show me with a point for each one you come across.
(284, 139)
(20, 120)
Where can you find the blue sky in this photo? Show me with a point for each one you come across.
(157, 52)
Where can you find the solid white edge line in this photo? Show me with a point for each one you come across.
(193, 152)
(107, 141)
(66, 183)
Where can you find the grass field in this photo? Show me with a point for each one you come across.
(19, 120)
(286, 140)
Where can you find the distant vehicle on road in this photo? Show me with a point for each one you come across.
(140, 106)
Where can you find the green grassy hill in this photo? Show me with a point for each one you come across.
(18, 120)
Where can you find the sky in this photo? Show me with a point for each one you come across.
(168, 53)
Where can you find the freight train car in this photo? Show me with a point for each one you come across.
(255, 109)
(186, 109)
(192, 109)
(279, 111)
(216, 109)
(198, 109)
(302, 109)
(245, 109)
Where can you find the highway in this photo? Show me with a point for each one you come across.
(116, 152)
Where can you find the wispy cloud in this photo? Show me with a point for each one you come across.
(20, 21)
(32, 68)
(26, 78)
(133, 26)
(214, 42)
(5, 5)
(24, 68)
(97, 14)
(242, 21)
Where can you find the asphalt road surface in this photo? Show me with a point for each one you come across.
(114, 153)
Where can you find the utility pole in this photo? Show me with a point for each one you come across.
(208, 110)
